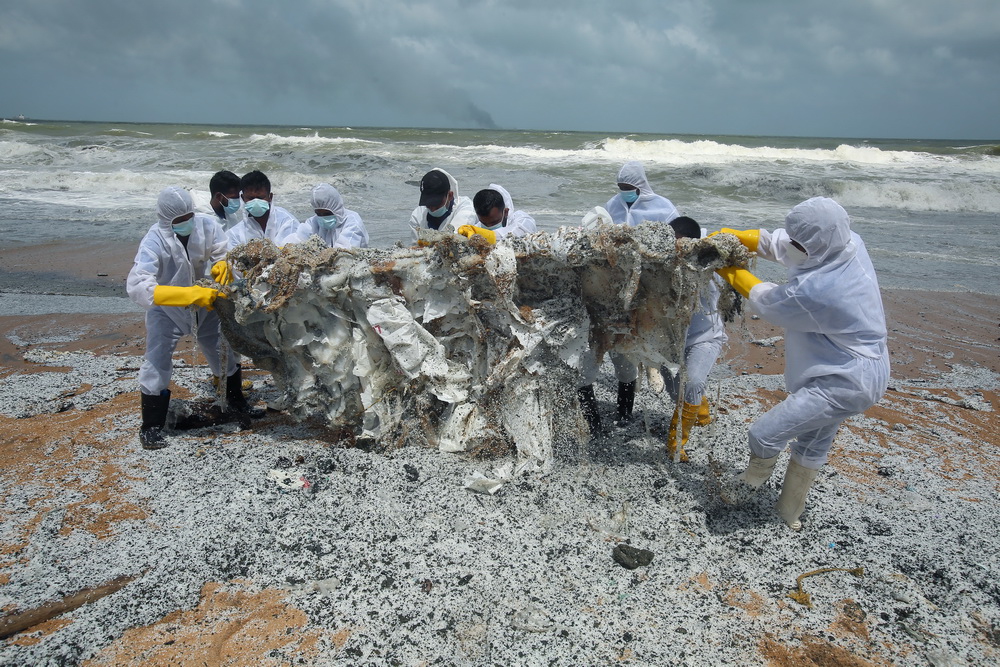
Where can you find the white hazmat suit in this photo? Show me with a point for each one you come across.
(462, 213)
(836, 352)
(649, 206)
(705, 337)
(162, 259)
(348, 232)
(280, 226)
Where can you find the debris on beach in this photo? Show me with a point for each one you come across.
(803, 598)
(459, 344)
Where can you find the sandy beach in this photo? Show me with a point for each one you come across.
(279, 545)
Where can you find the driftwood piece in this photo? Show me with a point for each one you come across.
(14, 623)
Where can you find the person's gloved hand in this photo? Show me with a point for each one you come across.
(748, 237)
(468, 231)
(221, 273)
(742, 280)
(172, 295)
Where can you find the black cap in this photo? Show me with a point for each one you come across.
(433, 187)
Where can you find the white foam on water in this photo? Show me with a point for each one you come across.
(119, 130)
(678, 152)
(13, 152)
(952, 195)
(314, 140)
(522, 155)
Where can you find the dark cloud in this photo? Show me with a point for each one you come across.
(853, 68)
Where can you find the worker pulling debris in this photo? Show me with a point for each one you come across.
(836, 351)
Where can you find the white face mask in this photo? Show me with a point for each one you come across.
(794, 255)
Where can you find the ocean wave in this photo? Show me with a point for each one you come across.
(930, 197)
(706, 151)
(916, 257)
(313, 140)
(15, 152)
(135, 133)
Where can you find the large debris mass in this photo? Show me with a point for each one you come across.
(460, 344)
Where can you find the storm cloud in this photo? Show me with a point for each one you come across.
(857, 68)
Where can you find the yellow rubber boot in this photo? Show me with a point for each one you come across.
(704, 413)
(672, 435)
(689, 413)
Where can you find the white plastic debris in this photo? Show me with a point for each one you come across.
(290, 480)
(595, 217)
(463, 346)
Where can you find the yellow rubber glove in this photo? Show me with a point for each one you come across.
(172, 295)
(468, 231)
(221, 273)
(748, 237)
(742, 280)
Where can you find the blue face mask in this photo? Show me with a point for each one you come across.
(327, 221)
(183, 228)
(257, 207)
(501, 223)
(441, 212)
(629, 196)
(232, 206)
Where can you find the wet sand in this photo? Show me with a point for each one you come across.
(411, 571)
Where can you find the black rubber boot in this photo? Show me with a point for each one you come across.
(235, 398)
(154, 417)
(588, 405)
(626, 401)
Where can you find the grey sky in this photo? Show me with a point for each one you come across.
(850, 68)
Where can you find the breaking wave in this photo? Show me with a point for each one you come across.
(931, 197)
(278, 140)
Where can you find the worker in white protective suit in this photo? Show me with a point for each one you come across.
(705, 337)
(337, 226)
(634, 204)
(836, 354)
(440, 205)
(178, 250)
(497, 217)
(261, 220)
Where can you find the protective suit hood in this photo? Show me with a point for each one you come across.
(172, 203)
(508, 203)
(462, 212)
(325, 196)
(633, 173)
(649, 206)
(452, 183)
(822, 227)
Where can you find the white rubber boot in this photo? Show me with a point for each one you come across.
(743, 487)
(792, 501)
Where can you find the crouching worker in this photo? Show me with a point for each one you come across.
(836, 354)
(705, 337)
(497, 217)
(336, 225)
(178, 250)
